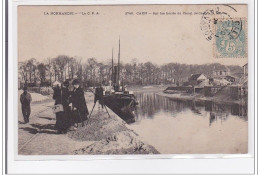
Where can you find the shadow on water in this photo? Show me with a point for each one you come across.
(223, 111)
(150, 104)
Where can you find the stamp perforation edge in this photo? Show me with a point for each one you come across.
(214, 50)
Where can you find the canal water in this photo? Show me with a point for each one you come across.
(185, 127)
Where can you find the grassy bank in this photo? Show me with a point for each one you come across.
(110, 136)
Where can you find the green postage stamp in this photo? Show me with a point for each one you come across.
(230, 38)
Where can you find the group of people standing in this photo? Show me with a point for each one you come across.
(75, 110)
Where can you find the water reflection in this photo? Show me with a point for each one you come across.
(174, 126)
(150, 104)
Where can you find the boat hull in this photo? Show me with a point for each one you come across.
(123, 105)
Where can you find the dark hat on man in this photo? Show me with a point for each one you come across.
(25, 88)
(76, 81)
(66, 83)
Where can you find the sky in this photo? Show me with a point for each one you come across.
(160, 39)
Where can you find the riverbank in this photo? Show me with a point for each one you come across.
(111, 136)
(200, 97)
(152, 88)
(102, 134)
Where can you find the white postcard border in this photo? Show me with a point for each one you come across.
(89, 164)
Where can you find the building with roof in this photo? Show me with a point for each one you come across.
(221, 71)
(196, 79)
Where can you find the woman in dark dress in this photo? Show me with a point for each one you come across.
(61, 96)
(79, 107)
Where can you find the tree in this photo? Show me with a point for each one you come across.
(49, 68)
(92, 62)
(129, 72)
(23, 71)
(93, 71)
(60, 62)
(31, 66)
(42, 71)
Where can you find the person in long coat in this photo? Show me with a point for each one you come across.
(25, 100)
(79, 107)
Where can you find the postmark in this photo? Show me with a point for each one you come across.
(209, 19)
(230, 40)
(227, 34)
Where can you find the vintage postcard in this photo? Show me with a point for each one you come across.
(132, 79)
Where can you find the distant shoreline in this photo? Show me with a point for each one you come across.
(200, 97)
(158, 89)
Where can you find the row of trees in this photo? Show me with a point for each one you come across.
(93, 72)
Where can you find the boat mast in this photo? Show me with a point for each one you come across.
(112, 65)
(118, 63)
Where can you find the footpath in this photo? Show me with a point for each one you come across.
(100, 135)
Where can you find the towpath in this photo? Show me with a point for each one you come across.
(103, 134)
(38, 137)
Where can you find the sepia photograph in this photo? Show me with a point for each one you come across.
(132, 79)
